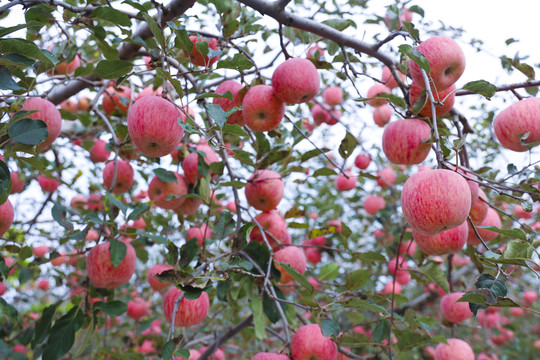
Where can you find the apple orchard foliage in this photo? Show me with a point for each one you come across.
(239, 150)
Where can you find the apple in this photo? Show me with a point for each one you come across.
(159, 191)
(449, 241)
(388, 79)
(274, 227)
(296, 81)
(83, 104)
(47, 184)
(270, 356)
(17, 184)
(137, 308)
(382, 115)
(517, 312)
(332, 95)
(189, 206)
(387, 177)
(456, 349)
(446, 97)
(98, 151)
(406, 141)
(124, 176)
(407, 247)
(308, 343)
(195, 55)
(376, 90)
(382, 237)
(374, 203)
(7, 214)
(453, 311)
(101, 271)
(346, 181)
(94, 202)
(519, 212)
(435, 200)
(238, 96)
(313, 255)
(403, 278)
(218, 354)
(518, 119)
(155, 284)
(146, 347)
(338, 227)
(402, 266)
(292, 255)
(116, 99)
(479, 209)
(69, 106)
(404, 15)
(484, 356)
(190, 312)
(231, 206)
(3, 288)
(262, 110)
(149, 91)
(311, 53)
(68, 68)
(492, 219)
(264, 190)
(40, 251)
(200, 233)
(362, 161)
(333, 117)
(153, 125)
(473, 185)
(190, 165)
(46, 111)
(391, 287)
(320, 114)
(530, 297)
(59, 260)
(43, 284)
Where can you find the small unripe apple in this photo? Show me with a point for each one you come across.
(374, 91)
(308, 343)
(124, 176)
(264, 190)
(406, 141)
(295, 257)
(382, 115)
(274, 227)
(333, 95)
(262, 110)
(520, 118)
(454, 311)
(101, 271)
(456, 349)
(116, 99)
(46, 111)
(362, 161)
(296, 81)
(155, 284)
(190, 312)
(450, 241)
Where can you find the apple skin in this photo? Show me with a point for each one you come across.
(274, 225)
(435, 200)
(47, 184)
(149, 91)
(387, 177)
(190, 312)
(446, 61)
(195, 55)
(69, 106)
(320, 114)
(3, 288)
(362, 161)
(137, 308)
(264, 190)
(189, 206)
(453, 311)
(518, 211)
(155, 284)
(374, 203)
(47, 112)
(43, 284)
(344, 183)
(404, 141)
(450, 241)
(518, 118)
(376, 90)
(270, 356)
(530, 297)
(456, 349)
(191, 162)
(153, 125)
(238, 96)
(296, 81)
(7, 214)
(310, 53)
(492, 219)
(390, 287)
(333, 95)
(308, 343)
(100, 269)
(382, 115)
(200, 233)
(98, 151)
(440, 110)
(479, 209)
(389, 80)
(295, 257)
(262, 110)
(159, 191)
(17, 184)
(111, 99)
(68, 68)
(124, 176)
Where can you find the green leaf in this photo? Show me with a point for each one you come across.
(28, 131)
(16, 60)
(154, 27)
(357, 279)
(161, 239)
(118, 252)
(347, 146)
(120, 205)
(109, 14)
(168, 350)
(329, 271)
(43, 325)
(234, 129)
(227, 95)
(361, 304)
(299, 278)
(408, 339)
(113, 307)
(258, 316)
(437, 275)
(409, 27)
(514, 233)
(59, 214)
(355, 340)
(330, 327)
(217, 113)
(415, 56)
(481, 87)
(175, 83)
(140, 209)
(417, 9)
(5, 182)
(324, 172)
(188, 252)
(165, 175)
(62, 334)
(518, 250)
(340, 24)
(6, 81)
(112, 69)
(369, 256)
(239, 62)
(381, 331)
(27, 49)
(182, 41)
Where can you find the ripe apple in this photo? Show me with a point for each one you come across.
(40, 251)
(124, 176)
(530, 297)
(518, 119)
(69, 106)
(362, 161)
(313, 255)
(375, 90)
(479, 209)
(147, 347)
(149, 91)
(320, 114)
(518, 211)
(83, 104)
(195, 55)
(46, 111)
(264, 190)
(447, 97)
(338, 227)
(382, 115)
(155, 284)
(406, 141)
(296, 81)
(116, 99)
(101, 271)
(159, 191)
(153, 125)
(47, 184)
(274, 227)
(387, 177)
(435, 200)
(94, 202)
(456, 349)
(238, 96)
(454, 311)
(59, 260)
(98, 151)
(270, 356)
(193, 354)
(388, 79)
(17, 182)
(3, 288)
(292, 255)
(308, 343)
(262, 110)
(332, 95)
(68, 68)
(43, 284)
(189, 206)
(6, 216)
(374, 203)
(382, 237)
(492, 219)
(346, 181)
(190, 312)
(391, 287)
(449, 241)
(190, 165)
(200, 233)
(218, 354)
(333, 117)
(137, 308)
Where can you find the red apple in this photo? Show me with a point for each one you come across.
(374, 203)
(362, 161)
(124, 176)
(492, 219)
(270, 356)
(46, 111)
(218, 354)
(200, 233)
(456, 349)
(101, 271)
(435, 200)
(43, 284)
(308, 343)
(47, 184)
(226, 104)
(159, 191)
(446, 97)
(374, 91)
(3, 288)
(190, 165)
(262, 110)
(391, 287)
(530, 297)
(69, 106)
(149, 91)
(333, 95)
(190, 312)
(98, 151)
(387, 177)
(155, 284)
(17, 184)
(94, 202)
(189, 206)
(68, 68)
(520, 213)
(450, 241)
(312, 51)
(296, 81)
(116, 99)
(292, 255)
(6, 216)
(40, 251)
(274, 227)
(264, 190)
(406, 141)
(479, 209)
(454, 311)
(137, 308)
(195, 55)
(83, 103)
(382, 115)
(518, 119)
(346, 181)
(388, 79)
(59, 260)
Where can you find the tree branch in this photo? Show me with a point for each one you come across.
(226, 337)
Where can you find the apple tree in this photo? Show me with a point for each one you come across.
(268, 180)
